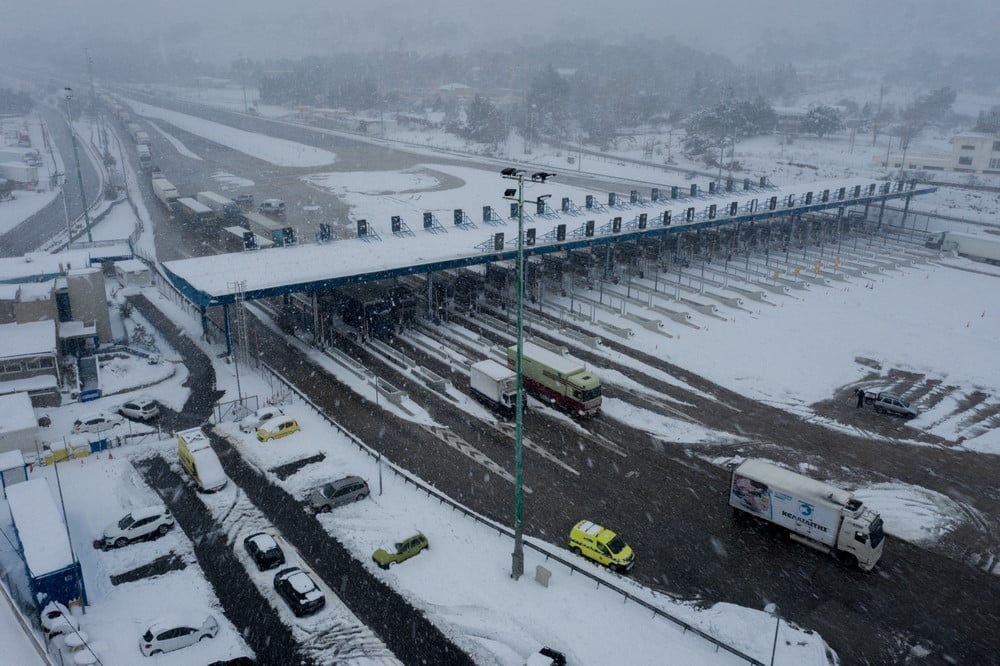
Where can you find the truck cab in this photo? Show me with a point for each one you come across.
(861, 535)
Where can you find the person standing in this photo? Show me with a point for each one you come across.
(861, 398)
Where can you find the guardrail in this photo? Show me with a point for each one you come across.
(444, 499)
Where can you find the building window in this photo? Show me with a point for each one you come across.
(996, 146)
(968, 147)
(995, 163)
(967, 161)
(40, 363)
(11, 367)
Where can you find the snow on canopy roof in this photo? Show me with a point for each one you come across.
(34, 264)
(214, 277)
(40, 527)
(31, 339)
(16, 413)
(36, 291)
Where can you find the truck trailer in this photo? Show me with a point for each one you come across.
(976, 247)
(494, 385)
(195, 214)
(224, 207)
(814, 513)
(558, 380)
(168, 195)
(145, 156)
(264, 226)
(141, 137)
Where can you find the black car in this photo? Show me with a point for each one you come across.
(264, 550)
(299, 591)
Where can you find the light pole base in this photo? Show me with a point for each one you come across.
(517, 562)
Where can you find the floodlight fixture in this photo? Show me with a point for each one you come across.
(512, 192)
(511, 172)
(541, 176)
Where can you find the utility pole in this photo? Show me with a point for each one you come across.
(76, 155)
(93, 106)
(517, 557)
(243, 78)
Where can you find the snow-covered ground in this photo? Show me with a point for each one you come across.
(935, 319)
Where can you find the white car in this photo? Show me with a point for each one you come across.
(140, 409)
(96, 422)
(146, 523)
(56, 619)
(176, 632)
(254, 421)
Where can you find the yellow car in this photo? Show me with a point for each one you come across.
(601, 545)
(277, 428)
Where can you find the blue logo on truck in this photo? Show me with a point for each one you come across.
(805, 509)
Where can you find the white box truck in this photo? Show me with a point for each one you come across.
(814, 513)
(168, 195)
(145, 156)
(494, 385)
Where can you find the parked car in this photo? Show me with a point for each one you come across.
(271, 207)
(140, 409)
(56, 619)
(257, 419)
(244, 201)
(342, 491)
(890, 403)
(264, 550)
(176, 632)
(405, 549)
(96, 422)
(146, 523)
(546, 656)
(299, 591)
(276, 428)
(601, 545)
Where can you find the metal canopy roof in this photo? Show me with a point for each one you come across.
(212, 280)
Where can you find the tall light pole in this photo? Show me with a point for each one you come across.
(517, 194)
(76, 155)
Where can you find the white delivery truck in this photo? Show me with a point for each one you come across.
(494, 385)
(145, 156)
(165, 191)
(817, 514)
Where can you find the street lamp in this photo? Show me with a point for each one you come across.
(517, 194)
(68, 92)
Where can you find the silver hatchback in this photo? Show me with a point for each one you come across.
(339, 492)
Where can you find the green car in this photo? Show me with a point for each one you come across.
(405, 549)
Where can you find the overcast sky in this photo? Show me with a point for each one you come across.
(220, 30)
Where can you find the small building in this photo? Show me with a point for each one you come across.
(133, 273)
(971, 152)
(29, 362)
(18, 425)
(13, 469)
(53, 572)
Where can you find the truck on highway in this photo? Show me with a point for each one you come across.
(233, 239)
(133, 128)
(977, 247)
(494, 385)
(264, 226)
(814, 513)
(164, 190)
(224, 207)
(145, 156)
(558, 379)
(141, 137)
(197, 215)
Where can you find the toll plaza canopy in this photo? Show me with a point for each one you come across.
(459, 240)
